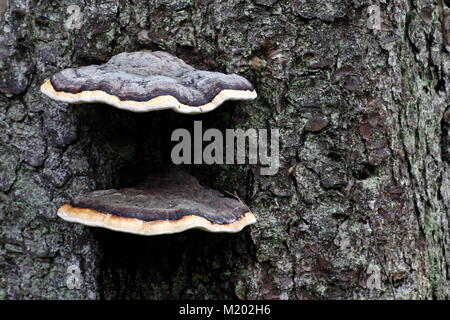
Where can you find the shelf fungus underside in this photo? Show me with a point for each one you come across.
(147, 81)
(170, 202)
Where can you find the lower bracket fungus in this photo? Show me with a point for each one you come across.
(166, 203)
(147, 81)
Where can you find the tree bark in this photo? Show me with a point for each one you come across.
(358, 210)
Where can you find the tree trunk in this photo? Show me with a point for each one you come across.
(358, 210)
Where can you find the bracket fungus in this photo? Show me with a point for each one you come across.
(147, 81)
(170, 202)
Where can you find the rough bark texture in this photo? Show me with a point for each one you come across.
(364, 116)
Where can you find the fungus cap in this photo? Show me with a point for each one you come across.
(169, 202)
(147, 81)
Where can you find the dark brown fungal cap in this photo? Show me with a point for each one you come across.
(146, 81)
(166, 203)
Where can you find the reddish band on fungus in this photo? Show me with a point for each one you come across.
(95, 218)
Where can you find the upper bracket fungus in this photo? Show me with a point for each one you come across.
(169, 202)
(147, 81)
